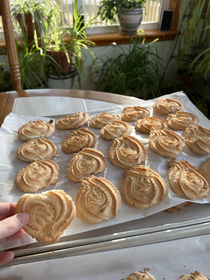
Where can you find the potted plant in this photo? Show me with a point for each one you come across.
(134, 72)
(129, 12)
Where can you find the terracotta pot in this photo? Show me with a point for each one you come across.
(61, 58)
(29, 26)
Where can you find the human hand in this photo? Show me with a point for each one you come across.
(10, 227)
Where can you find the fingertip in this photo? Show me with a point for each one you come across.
(23, 217)
(6, 257)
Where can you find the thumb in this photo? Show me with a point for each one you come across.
(13, 224)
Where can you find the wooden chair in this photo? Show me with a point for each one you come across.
(10, 44)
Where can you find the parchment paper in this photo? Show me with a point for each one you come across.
(10, 165)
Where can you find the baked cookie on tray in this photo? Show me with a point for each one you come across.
(178, 207)
(133, 113)
(188, 181)
(97, 200)
(142, 187)
(193, 276)
(127, 151)
(50, 214)
(36, 129)
(84, 163)
(166, 143)
(181, 120)
(72, 121)
(205, 167)
(198, 139)
(37, 175)
(100, 120)
(77, 140)
(138, 275)
(147, 124)
(115, 129)
(167, 105)
(36, 149)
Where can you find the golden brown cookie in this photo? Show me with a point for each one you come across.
(188, 181)
(142, 187)
(50, 214)
(100, 120)
(138, 275)
(36, 129)
(166, 142)
(127, 151)
(115, 129)
(37, 175)
(77, 140)
(84, 163)
(97, 200)
(198, 139)
(205, 167)
(72, 121)
(147, 124)
(167, 106)
(178, 207)
(36, 149)
(193, 276)
(133, 113)
(181, 120)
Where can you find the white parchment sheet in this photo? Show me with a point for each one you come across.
(167, 261)
(10, 165)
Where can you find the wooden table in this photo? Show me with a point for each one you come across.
(7, 98)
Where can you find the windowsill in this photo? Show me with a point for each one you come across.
(105, 39)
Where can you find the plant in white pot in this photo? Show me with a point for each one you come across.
(129, 12)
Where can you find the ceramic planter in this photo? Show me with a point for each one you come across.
(130, 20)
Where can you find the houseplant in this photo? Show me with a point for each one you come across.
(134, 72)
(129, 13)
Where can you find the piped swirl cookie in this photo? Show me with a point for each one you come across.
(166, 142)
(188, 181)
(72, 121)
(36, 149)
(142, 187)
(100, 120)
(198, 139)
(37, 175)
(193, 276)
(36, 129)
(127, 151)
(77, 140)
(147, 124)
(50, 214)
(138, 275)
(84, 163)
(205, 167)
(115, 129)
(181, 120)
(130, 114)
(167, 105)
(97, 200)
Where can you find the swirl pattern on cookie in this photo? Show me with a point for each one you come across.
(100, 120)
(193, 276)
(37, 175)
(138, 275)
(36, 149)
(115, 129)
(188, 181)
(205, 167)
(50, 214)
(167, 106)
(127, 151)
(166, 142)
(84, 163)
(142, 187)
(97, 200)
(147, 124)
(133, 113)
(72, 121)
(35, 129)
(77, 140)
(198, 139)
(181, 120)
